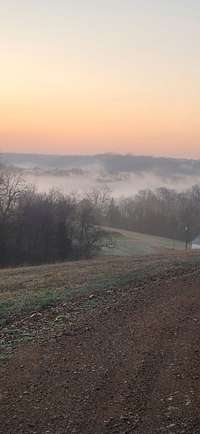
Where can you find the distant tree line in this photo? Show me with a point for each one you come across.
(162, 212)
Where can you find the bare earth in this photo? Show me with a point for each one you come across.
(124, 360)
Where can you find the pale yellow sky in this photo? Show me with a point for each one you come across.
(100, 77)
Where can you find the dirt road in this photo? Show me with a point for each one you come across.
(132, 365)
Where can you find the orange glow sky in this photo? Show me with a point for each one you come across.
(100, 76)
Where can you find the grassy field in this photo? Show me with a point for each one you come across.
(34, 300)
(127, 243)
(45, 292)
(27, 288)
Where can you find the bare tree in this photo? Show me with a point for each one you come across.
(11, 187)
(100, 199)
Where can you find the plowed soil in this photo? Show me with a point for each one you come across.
(128, 363)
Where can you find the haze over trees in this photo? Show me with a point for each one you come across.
(47, 227)
(111, 163)
(124, 174)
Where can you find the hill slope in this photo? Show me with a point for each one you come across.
(128, 243)
(101, 347)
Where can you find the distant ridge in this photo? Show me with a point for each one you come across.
(112, 163)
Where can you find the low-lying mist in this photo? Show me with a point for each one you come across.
(124, 175)
(121, 185)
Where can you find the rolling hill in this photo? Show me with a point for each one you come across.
(128, 243)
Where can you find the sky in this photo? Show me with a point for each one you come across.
(91, 76)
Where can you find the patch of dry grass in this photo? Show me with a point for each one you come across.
(30, 288)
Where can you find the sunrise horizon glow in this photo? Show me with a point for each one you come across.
(99, 77)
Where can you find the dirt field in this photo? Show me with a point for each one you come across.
(120, 356)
